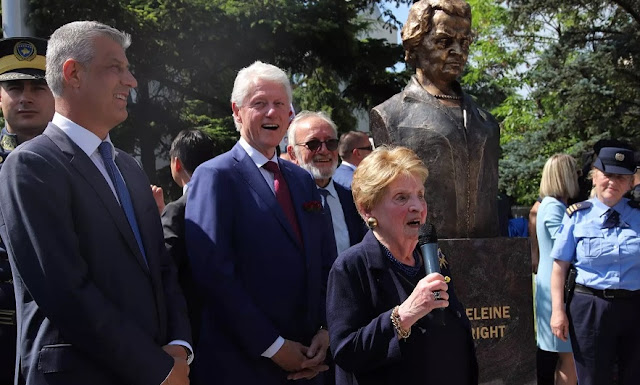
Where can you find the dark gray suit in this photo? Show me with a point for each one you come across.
(90, 311)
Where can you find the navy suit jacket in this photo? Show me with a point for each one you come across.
(343, 176)
(363, 289)
(90, 310)
(355, 224)
(258, 281)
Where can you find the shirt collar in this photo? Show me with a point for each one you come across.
(255, 155)
(348, 164)
(331, 188)
(600, 208)
(85, 139)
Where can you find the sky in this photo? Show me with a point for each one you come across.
(401, 12)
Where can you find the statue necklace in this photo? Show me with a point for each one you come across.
(446, 97)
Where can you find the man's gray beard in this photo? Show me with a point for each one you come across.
(317, 173)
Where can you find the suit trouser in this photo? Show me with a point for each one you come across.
(603, 330)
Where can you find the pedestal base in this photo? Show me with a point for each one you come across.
(492, 278)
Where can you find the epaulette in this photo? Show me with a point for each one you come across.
(577, 207)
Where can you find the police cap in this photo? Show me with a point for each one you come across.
(615, 160)
(22, 58)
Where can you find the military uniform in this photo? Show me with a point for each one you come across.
(20, 59)
(603, 243)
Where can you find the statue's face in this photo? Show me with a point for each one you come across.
(444, 50)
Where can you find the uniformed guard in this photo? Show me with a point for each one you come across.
(27, 107)
(600, 237)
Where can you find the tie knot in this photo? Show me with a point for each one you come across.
(323, 192)
(613, 219)
(106, 149)
(271, 167)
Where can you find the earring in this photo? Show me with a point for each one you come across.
(372, 223)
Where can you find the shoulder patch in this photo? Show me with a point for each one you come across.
(577, 207)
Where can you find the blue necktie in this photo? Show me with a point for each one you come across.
(123, 194)
(613, 219)
(327, 209)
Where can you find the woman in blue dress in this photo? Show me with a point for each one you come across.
(601, 238)
(559, 183)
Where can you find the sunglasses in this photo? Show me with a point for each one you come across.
(368, 148)
(314, 145)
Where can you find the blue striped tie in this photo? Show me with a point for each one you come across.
(123, 194)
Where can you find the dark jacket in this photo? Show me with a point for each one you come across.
(363, 289)
(355, 224)
(258, 281)
(90, 309)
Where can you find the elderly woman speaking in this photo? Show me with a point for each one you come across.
(388, 322)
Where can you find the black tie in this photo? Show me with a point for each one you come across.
(613, 219)
(327, 209)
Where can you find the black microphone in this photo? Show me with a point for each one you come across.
(428, 242)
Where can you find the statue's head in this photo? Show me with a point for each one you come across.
(437, 35)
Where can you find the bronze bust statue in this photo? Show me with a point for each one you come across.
(457, 140)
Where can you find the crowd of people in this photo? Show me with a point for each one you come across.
(112, 286)
(266, 270)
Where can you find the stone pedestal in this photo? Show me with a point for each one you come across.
(492, 278)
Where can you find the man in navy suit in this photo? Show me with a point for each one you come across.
(260, 248)
(353, 148)
(313, 145)
(97, 297)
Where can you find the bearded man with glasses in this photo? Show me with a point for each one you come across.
(313, 145)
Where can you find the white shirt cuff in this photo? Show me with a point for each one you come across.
(273, 349)
(186, 345)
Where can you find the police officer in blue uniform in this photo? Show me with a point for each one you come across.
(600, 237)
(27, 107)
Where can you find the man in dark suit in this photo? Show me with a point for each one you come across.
(313, 145)
(188, 150)
(260, 248)
(97, 298)
(353, 148)
(27, 108)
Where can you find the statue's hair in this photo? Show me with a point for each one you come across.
(420, 21)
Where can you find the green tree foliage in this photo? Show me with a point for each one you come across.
(186, 53)
(582, 79)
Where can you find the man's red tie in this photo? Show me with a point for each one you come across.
(283, 196)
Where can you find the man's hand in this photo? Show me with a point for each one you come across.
(175, 351)
(179, 374)
(290, 356)
(316, 355)
(158, 196)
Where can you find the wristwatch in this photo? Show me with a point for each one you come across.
(189, 354)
